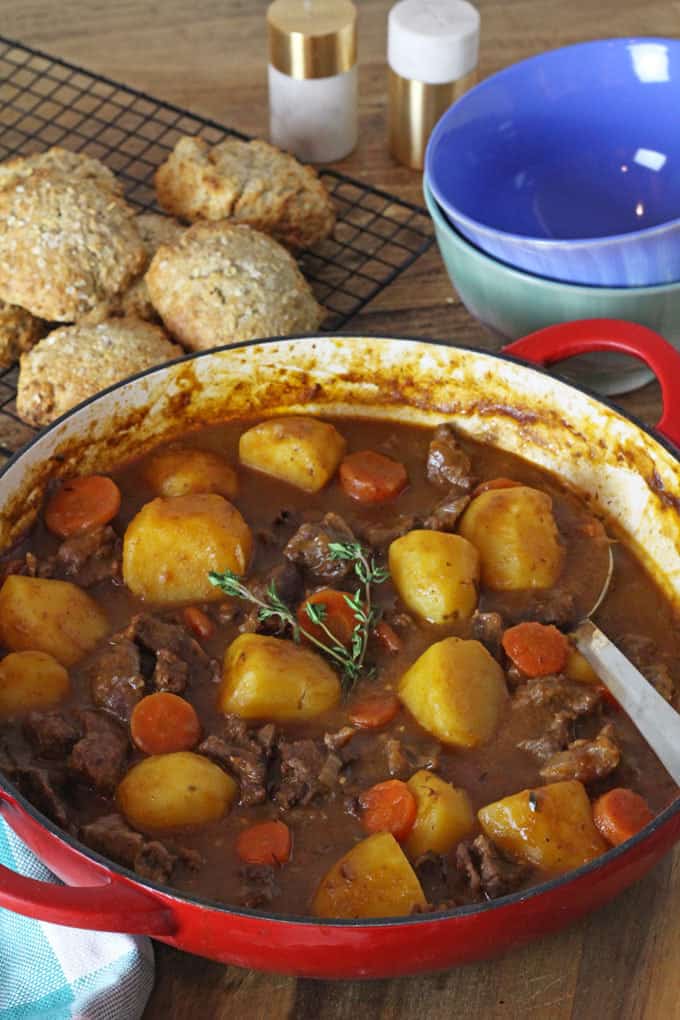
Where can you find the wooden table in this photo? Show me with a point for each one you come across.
(209, 55)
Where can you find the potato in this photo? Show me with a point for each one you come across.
(167, 790)
(578, 668)
(456, 691)
(31, 681)
(373, 880)
(171, 544)
(556, 834)
(180, 470)
(270, 678)
(444, 816)
(304, 452)
(517, 538)
(56, 617)
(436, 575)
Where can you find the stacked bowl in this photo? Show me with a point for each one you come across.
(554, 188)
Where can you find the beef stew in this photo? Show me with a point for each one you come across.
(425, 726)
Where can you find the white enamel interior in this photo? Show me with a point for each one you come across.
(618, 467)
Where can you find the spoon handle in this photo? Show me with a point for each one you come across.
(657, 721)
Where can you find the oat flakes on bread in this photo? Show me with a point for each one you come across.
(19, 331)
(248, 182)
(154, 230)
(74, 165)
(67, 248)
(222, 282)
(75, 362)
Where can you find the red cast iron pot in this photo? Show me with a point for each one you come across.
(631, 473)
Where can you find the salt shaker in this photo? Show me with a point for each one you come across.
(432, 48)
(313, 78)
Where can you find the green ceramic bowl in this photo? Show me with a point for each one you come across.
(512, 303)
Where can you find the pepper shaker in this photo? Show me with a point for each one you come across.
(313, 78)
(432, 49)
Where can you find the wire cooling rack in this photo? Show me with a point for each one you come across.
(45, 101)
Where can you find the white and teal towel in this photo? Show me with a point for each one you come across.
(56, 973)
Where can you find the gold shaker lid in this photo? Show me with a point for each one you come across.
(312, 38)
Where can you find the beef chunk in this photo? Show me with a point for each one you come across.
(556, 605)
(245, 756)
(446, 513)
(488, 628)
(585, 760)
(154, 635)
(642, 653)
(379, 534)
(487, 871)
(659, 676)
(249, 767)
(561, 701)
(116, 681)
(28, 566)
(99, 757)
(560, 693)
(37, 785)
(52, 734)
(557, 735)
(447, 464)
(90, 556)
(433, 873)
(259, 885)
(170, 672)
(336, 741)
(289, 584)
(154, 861)
(330, 770)
(309, 547)
(112, 837)
(266, 737)
(301, 763)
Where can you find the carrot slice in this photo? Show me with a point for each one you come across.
(389, 807)
(82, 503)
(198, 622)
(536, 649)
(388, 637)
(162, 723)
(264, 843)
(370, 477)
(620, 813)
(375, 711)
(338, 617)
(495, 483)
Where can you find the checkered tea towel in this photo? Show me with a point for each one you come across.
(56, 973)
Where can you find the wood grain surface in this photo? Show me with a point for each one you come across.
(210, 56)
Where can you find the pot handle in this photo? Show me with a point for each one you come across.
(567, 339)
(115, 905)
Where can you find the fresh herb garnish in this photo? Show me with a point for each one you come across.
(349, 659)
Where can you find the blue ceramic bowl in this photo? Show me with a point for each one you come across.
(511, 304)
(567, 165)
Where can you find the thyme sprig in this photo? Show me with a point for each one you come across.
(350, 659)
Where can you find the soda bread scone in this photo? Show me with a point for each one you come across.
(19, 331)
(155, 229)
(221, 283)
(67, 247)
(248, 182)
(74, 165)
(75, 362)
